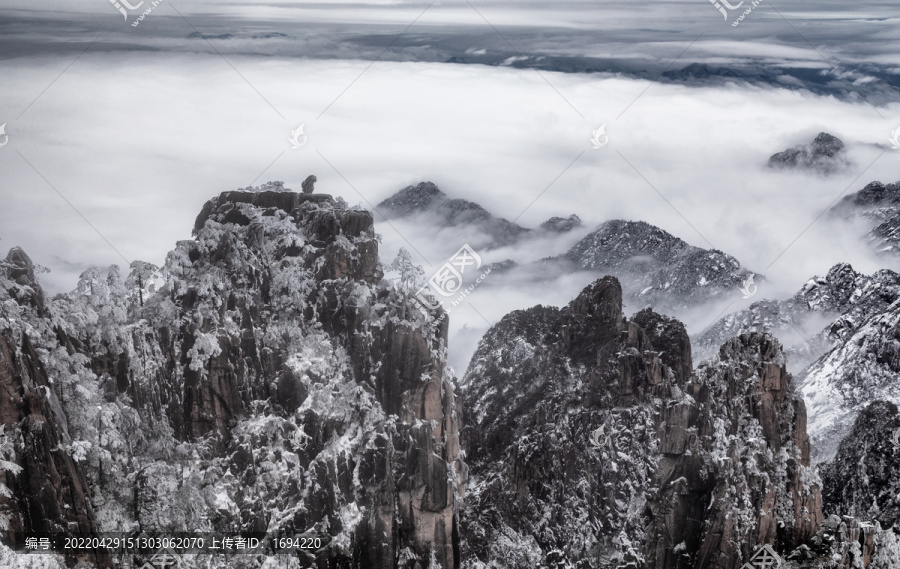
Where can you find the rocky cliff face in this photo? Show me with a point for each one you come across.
(265, 378)
(592, 444)
(877, 206)
(841, 328)
(861, 490)
(299, 321)
(862, 368)
(863, 480)
(823, 314)
(542, 381)
(45, 489)
(268, 378)
(739, 474)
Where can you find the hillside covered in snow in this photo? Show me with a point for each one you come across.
(272, 377)
(266, 378)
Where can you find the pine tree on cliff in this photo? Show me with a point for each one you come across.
(139, 279)
(410, 276)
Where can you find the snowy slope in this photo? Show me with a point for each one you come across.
(865, 367)
(656, 268)
(823, 313)
(878, 205)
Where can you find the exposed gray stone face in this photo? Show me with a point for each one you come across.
(655, 267)
(50, 494)
(878, 205)
(826, 311)
(272, 380)
(308, 184)
(411, 473)
(863, 480)
(692, 469)
(277, 361)
(752, 436)
(826, 155)
(861, 485)
(20, 270)
(561, 224)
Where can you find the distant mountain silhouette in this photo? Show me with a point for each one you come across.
(425, 199)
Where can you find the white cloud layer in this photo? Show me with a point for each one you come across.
(138, 141)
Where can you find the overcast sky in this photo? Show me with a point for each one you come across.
(114, 145)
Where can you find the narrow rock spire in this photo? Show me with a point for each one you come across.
(308, 184)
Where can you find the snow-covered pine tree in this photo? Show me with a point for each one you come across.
(410, 277)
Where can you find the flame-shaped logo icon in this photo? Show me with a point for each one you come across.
(721, 10)
(596, 139)
(597, 440)
(895, 439)
(895, 139)
(118, 6)
(749, 289)
(4, 135)
(296, 136)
